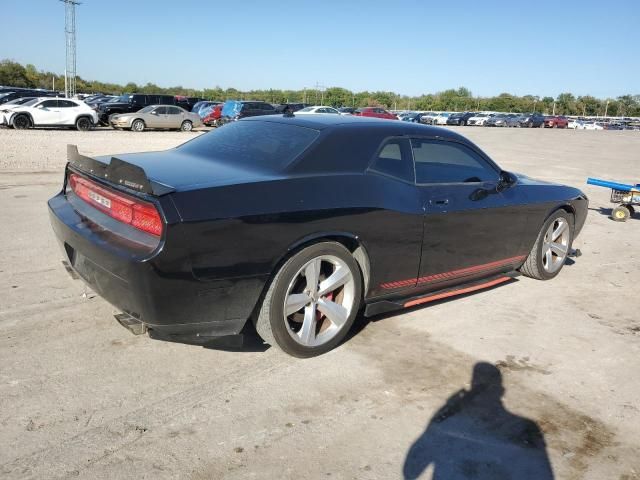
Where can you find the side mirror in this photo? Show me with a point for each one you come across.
(506, 180)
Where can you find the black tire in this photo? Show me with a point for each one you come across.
(21, 122)
(83, 124)
(621, 213)
(186, 126)
(270, 322)
(137, 125)
(632, 211)
(533, 266)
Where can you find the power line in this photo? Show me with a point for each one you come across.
(70, 36)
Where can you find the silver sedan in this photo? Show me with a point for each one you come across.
(156, 116)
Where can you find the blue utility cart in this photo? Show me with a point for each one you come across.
(626, 196)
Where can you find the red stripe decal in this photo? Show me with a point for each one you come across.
(439, 296)
(453, 274)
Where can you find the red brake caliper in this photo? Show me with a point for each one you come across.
(328, 296)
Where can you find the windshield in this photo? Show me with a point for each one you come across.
(259, 144)
(307, 109)
(122, 98)
(147, 109)
(19, 101)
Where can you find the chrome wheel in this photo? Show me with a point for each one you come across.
(555, 246)
(319, 300)
(137, 126)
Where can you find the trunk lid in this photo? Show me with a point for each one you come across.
(160, 173)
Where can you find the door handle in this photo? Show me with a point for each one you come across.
(442, 201)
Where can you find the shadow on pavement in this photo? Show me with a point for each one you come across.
(473, 436)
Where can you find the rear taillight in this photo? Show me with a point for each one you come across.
(130, 210)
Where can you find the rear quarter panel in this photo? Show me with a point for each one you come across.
(247, 230)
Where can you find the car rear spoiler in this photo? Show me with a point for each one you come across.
(118, 172)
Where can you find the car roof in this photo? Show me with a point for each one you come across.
(328, 121)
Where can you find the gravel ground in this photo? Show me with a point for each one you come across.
(82, 397)
(46, 150)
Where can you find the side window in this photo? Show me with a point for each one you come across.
(448, 162)
(266, 106)
(66, 104)
(394, 159)
(50, 104)
(161, 110)
(174, 111)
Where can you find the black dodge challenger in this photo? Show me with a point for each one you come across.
(297, 224)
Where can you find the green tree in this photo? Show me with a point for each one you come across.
(14, 74)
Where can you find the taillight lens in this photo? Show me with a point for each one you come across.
(130, 210)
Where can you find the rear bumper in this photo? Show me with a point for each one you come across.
(158, 287)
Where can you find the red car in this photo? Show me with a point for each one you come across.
(556, 121)
(213, 117)
(375, 112)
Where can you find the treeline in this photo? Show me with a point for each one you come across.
(17, 75)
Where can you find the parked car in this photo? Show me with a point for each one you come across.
(427, 117)
(233, 110)
(7, 108)
(202, 104)
(532, 120)
(205, 108)
(479, 119)
(50, 112)
(375, 112)
(97, 101)
(441, 118)
(556, 121)
(17, 101)
(236, 224)
(503, 120)
(131, 102)
(9, 95)
(317, 109)
(166, 117)
(402, 114)
(186, 103)
(575, 124)
(213, 115)
(593, 126)
(347, 110)
(460, 118)
(292, 107)
(413, 117)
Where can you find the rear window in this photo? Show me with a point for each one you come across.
(267, 145)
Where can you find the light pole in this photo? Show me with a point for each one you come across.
(606, 108)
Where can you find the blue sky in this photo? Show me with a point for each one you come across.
(406, 46)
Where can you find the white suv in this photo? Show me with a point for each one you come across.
(51, 112)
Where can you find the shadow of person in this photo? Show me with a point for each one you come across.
(473, 436)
